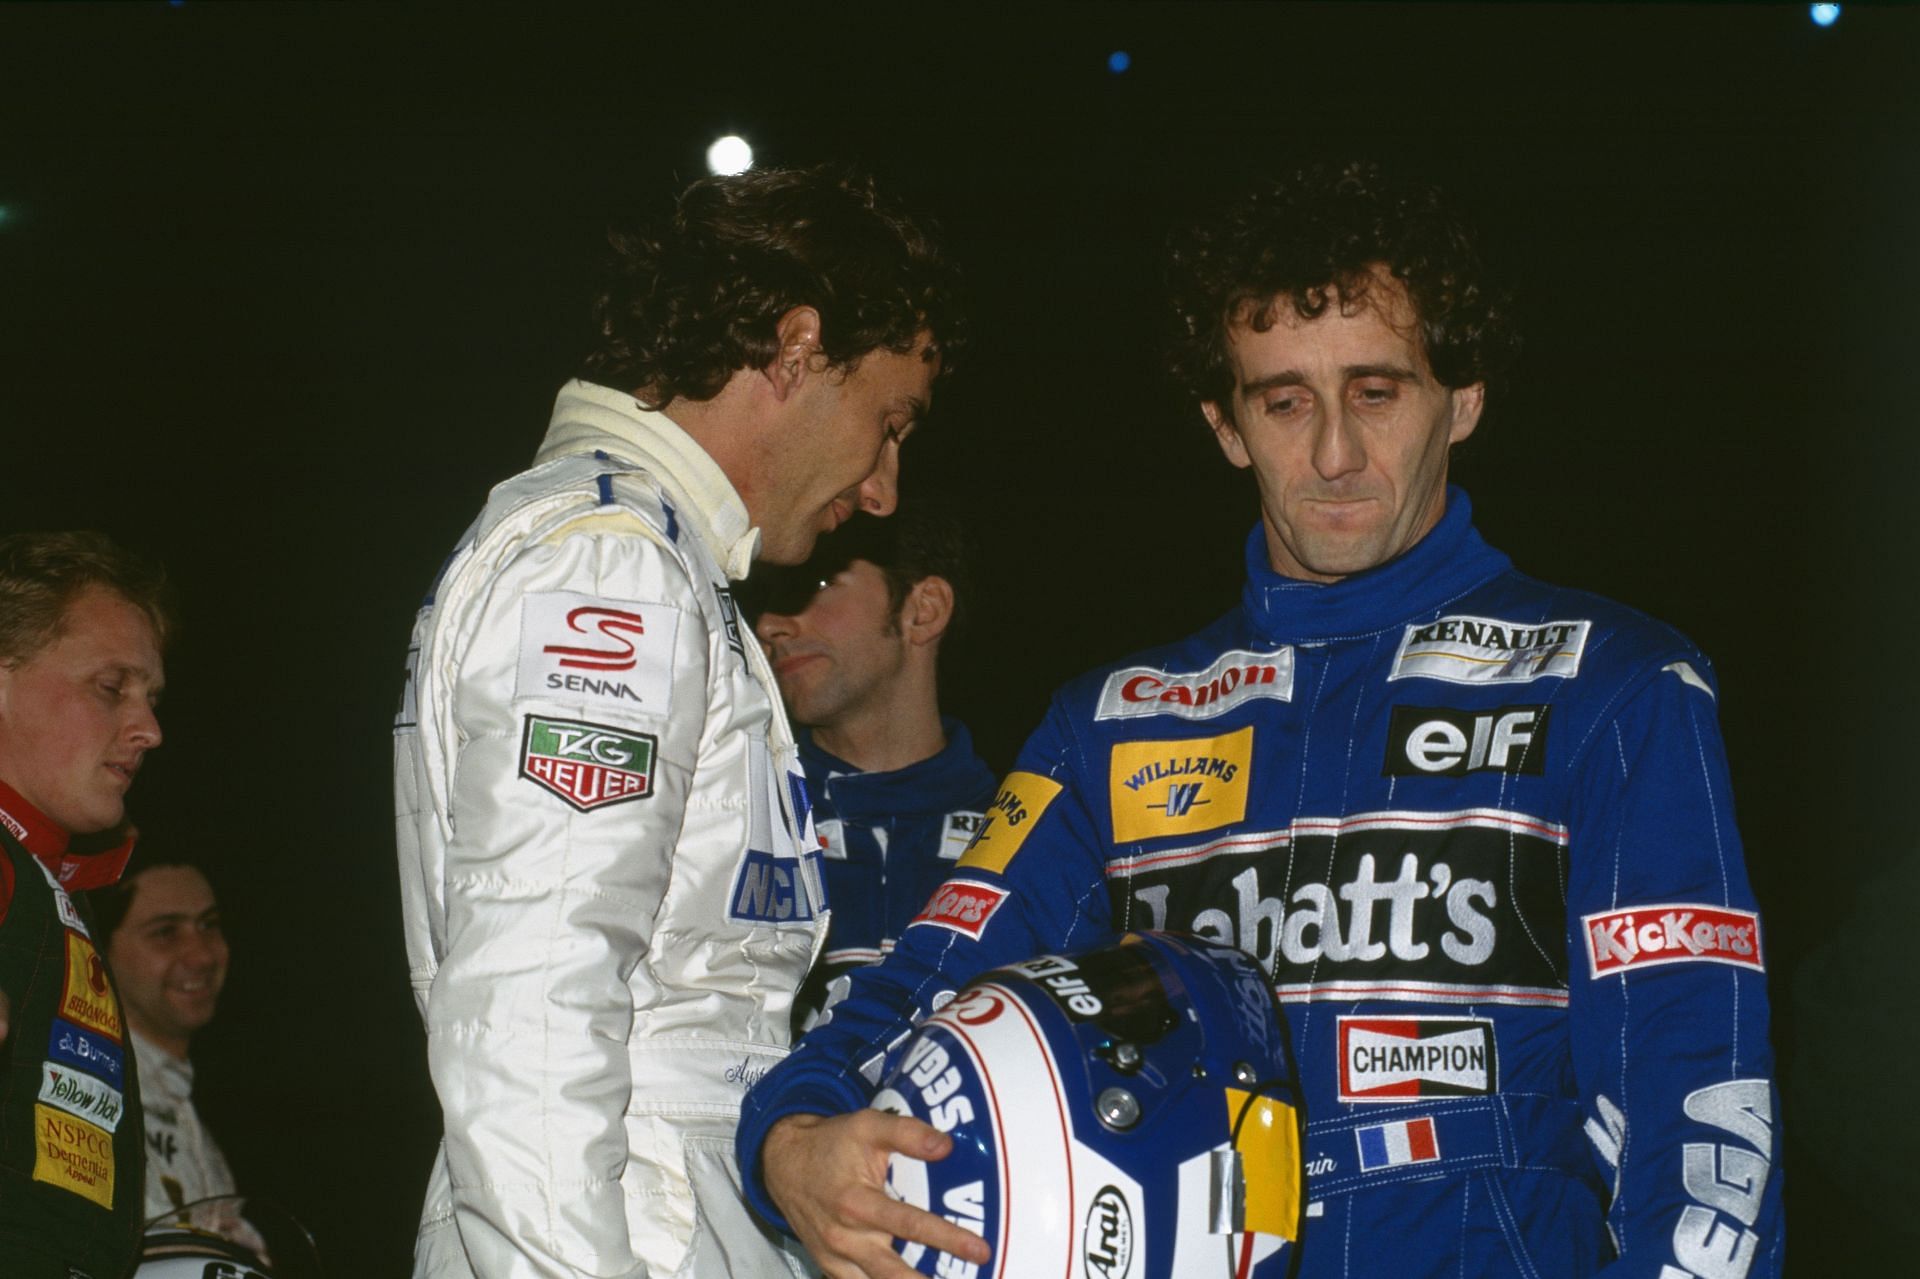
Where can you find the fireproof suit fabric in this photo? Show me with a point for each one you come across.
(609, 874)
(1479, 829)
(889, 839)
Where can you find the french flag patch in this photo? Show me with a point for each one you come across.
(1409, 1141)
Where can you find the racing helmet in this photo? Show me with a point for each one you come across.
(1122, 1113)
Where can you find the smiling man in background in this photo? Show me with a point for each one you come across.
(609, 870)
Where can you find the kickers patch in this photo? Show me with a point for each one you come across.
(87, 997)
(588, 765)
(1487, 650)
(73, 1155)
(1392, 1059)
(1643, 936)
(582, 649)
(962, 906)
(1178, 788)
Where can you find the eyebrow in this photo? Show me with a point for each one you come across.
(1294, 377)
(178, 916)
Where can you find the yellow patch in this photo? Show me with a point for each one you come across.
(1022, 798)
(1269, 1146)
(73, 1155)
(1178, 788)
(87, 998)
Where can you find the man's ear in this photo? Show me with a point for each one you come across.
(1226, 434)
(1468, 401)
(927, 611)
(798, 335)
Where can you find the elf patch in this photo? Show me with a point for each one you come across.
(588, 765)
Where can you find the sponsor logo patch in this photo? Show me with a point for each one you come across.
(63, 905)
(1410, 1141)
(1178, 788)
(730, 619)
(777, 890)
(14, 828)
(963, 906)
(1643, 936)
(588, 765)
(1487, 650)
(72, 1045)
(1394, 1058)
(579, 648)
(1106, 1241)
(72, 1154)
(958, 832)
(87, 997)
(1432, 741)
(1022, 799)
(81, 1095)
(1235, 678)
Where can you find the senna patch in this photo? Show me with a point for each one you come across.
(72, 1154)
(87, 997)
(1180, 787)
(1022, 799)
(588, 765)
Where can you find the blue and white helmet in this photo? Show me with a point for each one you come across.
(1124, 1113)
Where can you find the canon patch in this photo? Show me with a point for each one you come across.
(1433, 741)
(1386, 1059)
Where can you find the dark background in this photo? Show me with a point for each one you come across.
(283, 290)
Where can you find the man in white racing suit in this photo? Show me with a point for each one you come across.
(609, 874)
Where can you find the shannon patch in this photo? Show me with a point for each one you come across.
(1178, 788)
(963, 906)
(1396, 1058)
(588, 765)
(1234, 678)
(87, 997)
(1672, 934)
(576, 648)
(1432, 741)
(72, 1154)
(1022, 798)
(81, 1095)
(1486, 650)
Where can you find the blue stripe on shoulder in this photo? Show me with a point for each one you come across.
(673, 525)
(606, 489)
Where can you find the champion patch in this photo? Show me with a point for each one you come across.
(73, 1155)
(588, 765)
(962, 906)
(1487, 650)
(1410, 1141)
(1388, 1059)
(1644, 936)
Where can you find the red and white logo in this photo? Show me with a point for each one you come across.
(1395, 1058)
(578, 650)
(615, 627)
(1642, 936)
(963, 906)
(1234, 677)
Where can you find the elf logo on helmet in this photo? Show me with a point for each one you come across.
(1107, 1239)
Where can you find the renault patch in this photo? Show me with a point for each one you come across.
(1487, 650)
(588, 765)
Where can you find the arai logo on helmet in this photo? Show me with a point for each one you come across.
(1106, 1243)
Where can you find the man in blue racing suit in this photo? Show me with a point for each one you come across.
(1477, 827)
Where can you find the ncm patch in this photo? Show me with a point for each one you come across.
(588, 765)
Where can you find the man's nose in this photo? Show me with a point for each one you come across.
(1337, 447)
(773, 626)
(880, 491)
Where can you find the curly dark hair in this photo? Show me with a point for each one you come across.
(1314, 238)
(688, 302)
(42, 573)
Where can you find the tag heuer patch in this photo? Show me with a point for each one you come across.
(588, 765)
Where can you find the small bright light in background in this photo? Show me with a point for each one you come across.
(6, 215)
(729, 155)
(1118, 61)
(1825, 15)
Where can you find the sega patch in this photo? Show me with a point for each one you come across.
(588, 765)
(76, 1046)
(579, 648)
(1233, 679)
(777, 890)
(1178, 788)
(1674, 933)
(86, 997)
(81, 1095)
(1487, 650)
(957, 833)
(963, 906)
(1408, 1141)
(1022, 799)
(1390, 1059)
(72, 1154)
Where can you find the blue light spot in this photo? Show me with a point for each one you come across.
(1825, 15)
(1118, 61)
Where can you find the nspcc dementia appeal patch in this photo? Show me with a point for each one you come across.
(588, 765)
(72, 1154)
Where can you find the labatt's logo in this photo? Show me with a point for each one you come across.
(588, 765)
(1670, 934)
(1487, 650)
(963, 906)
(1237, 677)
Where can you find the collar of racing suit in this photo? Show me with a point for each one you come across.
(1444, 565)
(588, 417)
(938, 784)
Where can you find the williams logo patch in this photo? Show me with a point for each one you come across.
(1022, 798)
(1397, 1058)
(1178, 788)
(1234, 678)
(588, 765)
(1430, 741)
(1486, 650)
